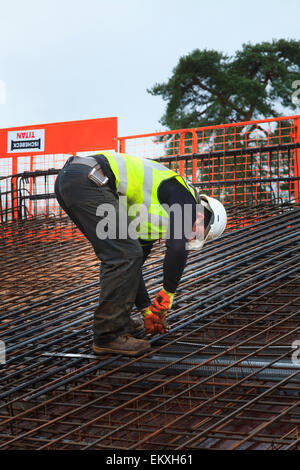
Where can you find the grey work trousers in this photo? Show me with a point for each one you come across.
(121, 259)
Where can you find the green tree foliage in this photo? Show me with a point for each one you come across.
(208, 87)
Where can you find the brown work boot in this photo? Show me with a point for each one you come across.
(134, 326)
(124, 344)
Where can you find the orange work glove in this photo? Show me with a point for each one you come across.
(154, 316)
(153, 323)
(162, 302)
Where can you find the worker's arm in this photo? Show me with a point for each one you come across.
(171, 192)
(142, 300)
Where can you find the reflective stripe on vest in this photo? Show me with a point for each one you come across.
(138, 179)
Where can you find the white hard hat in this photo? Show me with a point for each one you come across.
(216, 225)
(218, 220)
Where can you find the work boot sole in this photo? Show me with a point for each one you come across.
(99, 350)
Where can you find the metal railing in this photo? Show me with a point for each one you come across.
(246, 176)
(230, 151)
(248, 162)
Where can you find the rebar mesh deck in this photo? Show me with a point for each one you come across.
(222, 377)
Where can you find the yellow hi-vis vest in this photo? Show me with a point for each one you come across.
(138, 179)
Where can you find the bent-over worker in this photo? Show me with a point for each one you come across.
(123, 205)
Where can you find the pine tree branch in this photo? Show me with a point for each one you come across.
(221, 98)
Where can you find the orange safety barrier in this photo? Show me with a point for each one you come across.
(219, 154)
(253, 161)
(44, 146)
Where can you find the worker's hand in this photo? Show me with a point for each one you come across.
(162, 302)
(154, 323)
(155, 315)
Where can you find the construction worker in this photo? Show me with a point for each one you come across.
(105, 193)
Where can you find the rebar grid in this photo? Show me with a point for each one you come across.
(222, 377)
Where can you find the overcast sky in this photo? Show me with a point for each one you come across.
(68, 59)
